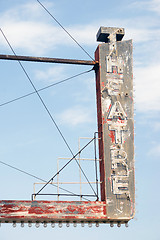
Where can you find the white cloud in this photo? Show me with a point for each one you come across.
(152, 5)
(25, 29)
(84, 34)
(156, 126)
(27, 35)
(38, 36)
(23, 11)
(155, 6)
(147, 88)
(51, 74)
(155, 151)
(142, 34)
(75, 116)
(32, 36)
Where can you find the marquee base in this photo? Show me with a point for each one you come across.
(55, 211)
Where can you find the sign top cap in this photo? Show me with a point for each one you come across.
(104, 34)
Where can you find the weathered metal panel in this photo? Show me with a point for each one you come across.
(52, 211)
(114, 83)
(115, 126)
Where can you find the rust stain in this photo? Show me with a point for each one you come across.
(112, 136)
(51, 210)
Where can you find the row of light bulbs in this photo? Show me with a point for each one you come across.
(60, 224)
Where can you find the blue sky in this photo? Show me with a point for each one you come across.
(29, 140)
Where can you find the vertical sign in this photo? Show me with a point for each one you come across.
(114, 83)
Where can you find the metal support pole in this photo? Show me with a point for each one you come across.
(47, 60)
(95, 151)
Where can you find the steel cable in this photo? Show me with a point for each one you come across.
(64, 29)
(41, 89)
(38, 178)
(47, 110)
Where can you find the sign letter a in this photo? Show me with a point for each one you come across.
(117, 112)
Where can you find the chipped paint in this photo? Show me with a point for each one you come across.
(115, 123)
(114, 84)
(52, 211)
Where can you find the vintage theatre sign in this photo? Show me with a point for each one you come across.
(114, 87)
(114, 80)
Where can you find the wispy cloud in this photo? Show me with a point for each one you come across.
(152, 5)
(75, 116)
(155, 151)
(52, 74)
(37, 36)
(147, 88)
(155, 6)
(25, 29)
(156, 126)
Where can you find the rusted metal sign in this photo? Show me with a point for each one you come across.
(14, 211)
(52, 211)
(115, 122)
(114, 85)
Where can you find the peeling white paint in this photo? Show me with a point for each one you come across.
(106, 102)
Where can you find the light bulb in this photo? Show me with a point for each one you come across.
(82, 224)
(89, 224)
(60, 224)
(22, 224)
(29, 224)
(67, 224)
(97, 224)
(52, 224)
(74, 224)
(118, 224)
(111, 224)
(126, 224)
(37, 224)
(45, 224)
(14, 224)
